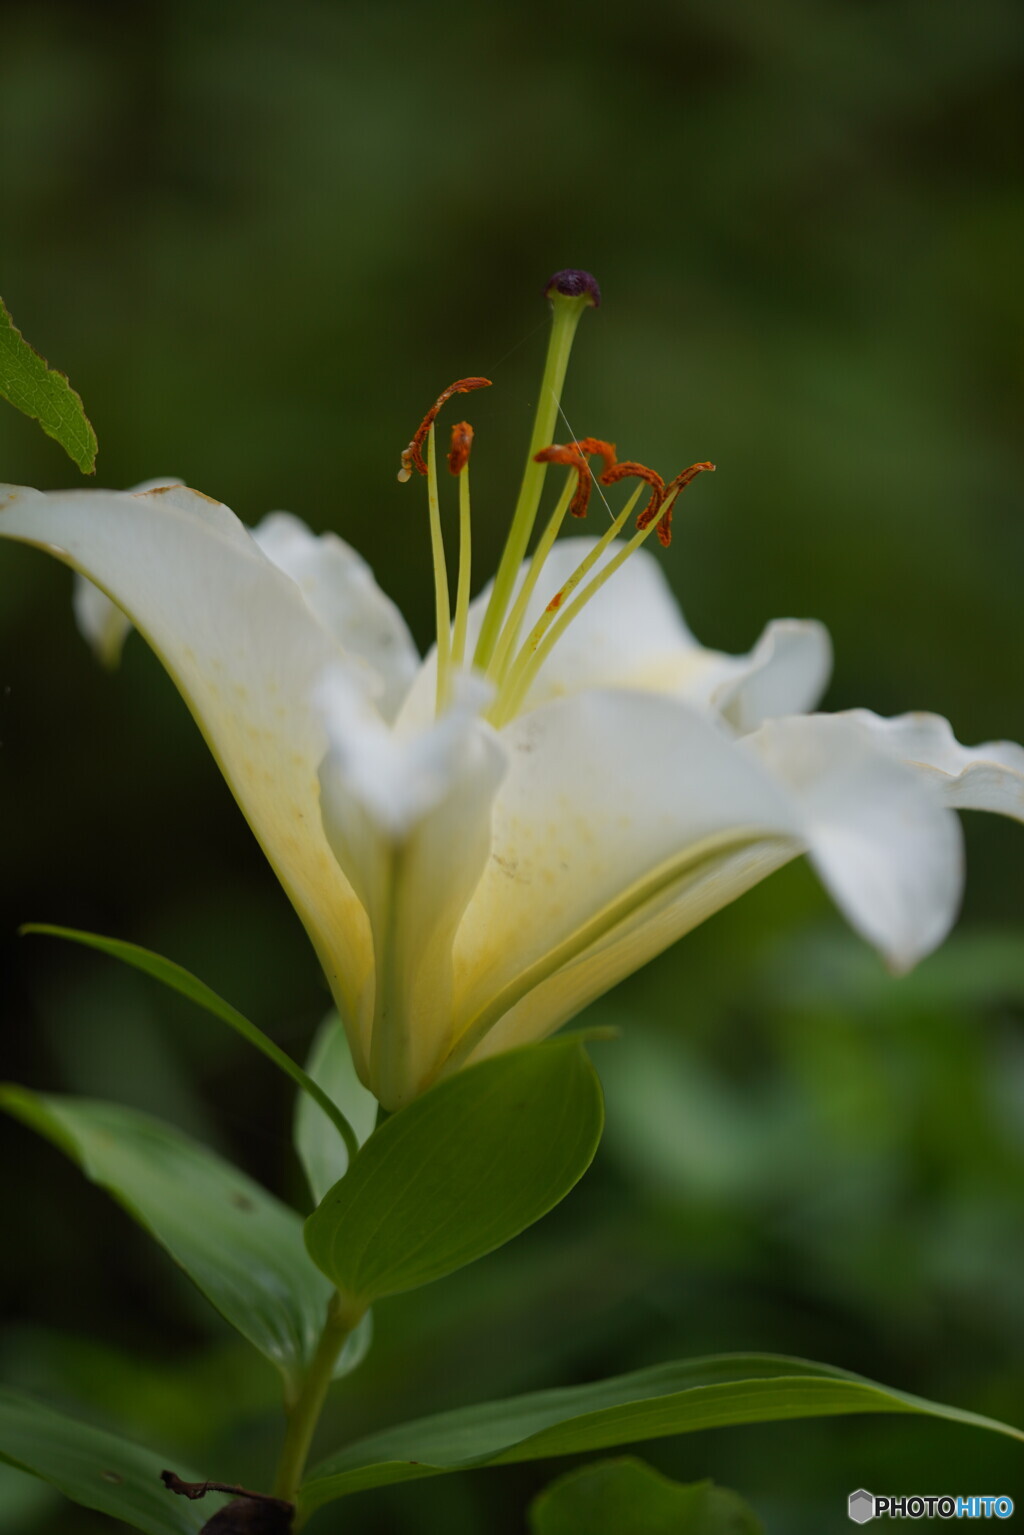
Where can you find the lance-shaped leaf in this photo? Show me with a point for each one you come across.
(93, 1467)
(32, 386)
(323, 1154)
(237, 1243)
(627, 1497)
(460, 1171)
(712, 1392)
(178, 979)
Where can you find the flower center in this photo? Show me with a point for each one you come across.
(509, 662)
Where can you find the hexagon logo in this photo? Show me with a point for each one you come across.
(862, 1506)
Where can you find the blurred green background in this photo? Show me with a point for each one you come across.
(260, 238)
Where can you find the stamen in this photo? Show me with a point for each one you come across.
(510, 633)
(462, 442)
(412, 456)
(458, 463)
(441, 608)
(673, 489)
(569, 455)
(576, 455)
(556, 618)
(629, 469)
(590, 445)
(537, 644)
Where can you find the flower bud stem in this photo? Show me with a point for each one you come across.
(565, 316)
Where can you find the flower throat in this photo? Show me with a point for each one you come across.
(510, 662)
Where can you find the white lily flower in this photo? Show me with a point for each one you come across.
(480, 844)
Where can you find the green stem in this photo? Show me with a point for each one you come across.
(565, 316)
(304, 1414)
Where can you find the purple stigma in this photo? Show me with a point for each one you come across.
(574, 283)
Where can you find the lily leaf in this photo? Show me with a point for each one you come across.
(712, 1392)
(188, 985)
(628, 1497)
(323, 1156)
(460, 1171)
(93, 1467)
(237, 1243)
(33, 387)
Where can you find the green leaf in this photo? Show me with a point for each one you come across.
(240, 1246)
(460, 1171)
(41, 392)
(188, 985)
(93, 1467)
(677, 1398)
(324, 1158)
(627, 1497)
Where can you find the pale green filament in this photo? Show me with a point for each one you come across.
(549, 628)
(510, 633)
(565, 316)
(465, 568)
(443, 611)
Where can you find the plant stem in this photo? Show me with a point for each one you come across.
(304, 1415)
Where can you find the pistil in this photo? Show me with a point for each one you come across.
(570, 293)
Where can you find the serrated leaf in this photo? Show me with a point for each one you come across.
(628, 1497)
(33, 387)
(460, 1171)
(93, 1467)
(713, 1392)
(323, 1154)
(237, 1243)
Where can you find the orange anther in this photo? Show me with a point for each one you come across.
(570, 455)
(575, 455)
(629, 469)
(590, 445)
(462, 441)
(412, 456)
(560, 453)
(673, 489)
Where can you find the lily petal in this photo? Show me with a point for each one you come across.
(100, 621)
(986, 777)
(714, 881)
(883, 843)
(409, 819)
(627, 819)
(604, 789)
(340, 588)
(245, 650)
(786, 673)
